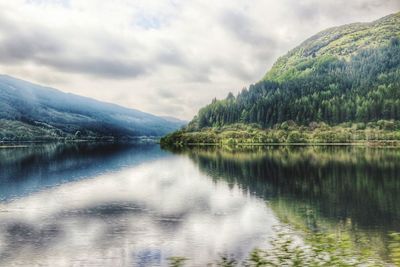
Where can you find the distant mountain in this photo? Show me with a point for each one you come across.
(175, 120)
(30, 111)
(344, 74)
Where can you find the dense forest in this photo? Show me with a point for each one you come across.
(342, 85)
(362, 89)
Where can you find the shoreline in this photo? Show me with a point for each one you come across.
(22, 144)
(242, 135)
(382, 144)
(304, 144)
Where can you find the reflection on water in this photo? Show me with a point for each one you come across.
(354, 189)
(31, 168)
(126, 205)
(120, 206)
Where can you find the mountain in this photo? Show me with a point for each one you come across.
(341, 42)
(29, 111)
(174, 120)
(347, 74)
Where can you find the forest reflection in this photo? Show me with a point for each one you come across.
(318, 188)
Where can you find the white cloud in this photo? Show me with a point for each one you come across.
(190, 50)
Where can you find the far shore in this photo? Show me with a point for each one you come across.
(21, 144)
(386, 144)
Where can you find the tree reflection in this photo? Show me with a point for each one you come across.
(316, 187)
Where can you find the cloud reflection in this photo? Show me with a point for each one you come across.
(135, 216)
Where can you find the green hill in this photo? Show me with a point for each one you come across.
(339, 42)
(343, 77)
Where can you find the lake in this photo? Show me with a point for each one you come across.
(139, 205)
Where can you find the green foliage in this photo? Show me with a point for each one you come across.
(20, 131)
(344, 74)
(300, 109)
(177, 261)
(348, 74)
(324, 89)
(382, 132)
(15, 131)
(338, 42)
(287, 249)
(296, 137)
(394, 248)
(318, 249)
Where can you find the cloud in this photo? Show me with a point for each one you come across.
(104, 67)
(125, 51)
(166, 94)
(244, 29)
(27, 46)
(42, 49)
(41, 46)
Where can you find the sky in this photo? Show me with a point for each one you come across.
(165, 57)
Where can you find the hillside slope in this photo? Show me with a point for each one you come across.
(340, 42)
(29, 111)
(348, 74)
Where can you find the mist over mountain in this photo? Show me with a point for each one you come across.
(30, 111)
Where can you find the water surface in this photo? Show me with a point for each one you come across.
(131, 205)
(108, 205)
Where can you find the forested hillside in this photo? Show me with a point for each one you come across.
(362, 89)
(31, 112)
(347, 74)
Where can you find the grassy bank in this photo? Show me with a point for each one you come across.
(381, 132)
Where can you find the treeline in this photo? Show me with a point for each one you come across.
(363, 88)
(378, 133)
(19, 131)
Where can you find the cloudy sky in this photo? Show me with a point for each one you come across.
(166, 57)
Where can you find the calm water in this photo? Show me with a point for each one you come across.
(126, 205)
